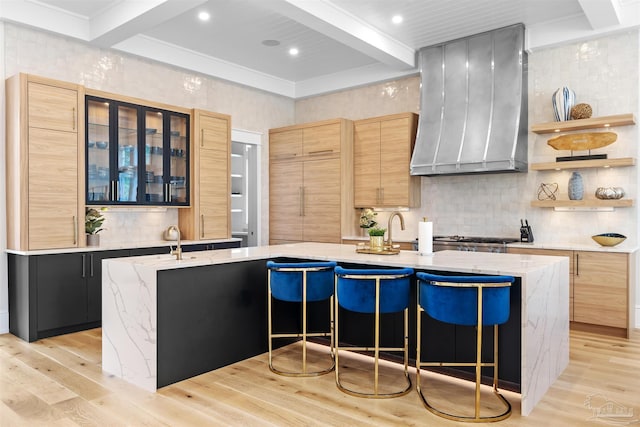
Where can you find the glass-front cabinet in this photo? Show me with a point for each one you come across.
(136, 154)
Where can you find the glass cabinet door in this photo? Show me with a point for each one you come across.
(178, 155)
(136, 154)
(98, 140)
(127, 179)
(154, 157)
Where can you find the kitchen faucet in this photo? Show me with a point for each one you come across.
(178, 250)
(394, 214)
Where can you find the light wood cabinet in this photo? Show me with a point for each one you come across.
(382, 155)
(601, 287)
(209, 216)
(44, 155)
(310, 182)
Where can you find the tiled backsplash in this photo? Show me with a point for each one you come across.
(602, 72)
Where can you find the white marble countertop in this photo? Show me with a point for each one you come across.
(132, 245)
(468, 262)
(623, 247)
(129, 292)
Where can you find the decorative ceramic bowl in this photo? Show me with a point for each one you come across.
(609, 239)
(609, 193)
(102, 144)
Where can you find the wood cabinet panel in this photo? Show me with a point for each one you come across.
(382, 155)
(285, 145)
(366, 160)
(395, 157)
(599, 286)
(209, 216)
(52, 107)
(285, 200)
(53, 189)
(601, 289)
(318, 140)
(44, 210)
(321, 204)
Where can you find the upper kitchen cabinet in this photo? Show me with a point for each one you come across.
(209, 214)
(310, 181)
(136, 154)
(382, 156)
(44, 155)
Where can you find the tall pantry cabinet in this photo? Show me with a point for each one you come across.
(310, 182)
(209, 216)
(44, 154)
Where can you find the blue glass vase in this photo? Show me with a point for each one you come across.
(576, 186)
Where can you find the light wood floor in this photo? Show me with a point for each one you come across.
(59, 382)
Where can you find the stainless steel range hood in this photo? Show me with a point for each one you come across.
(473, 115)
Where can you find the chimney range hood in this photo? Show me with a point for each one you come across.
(473, 115)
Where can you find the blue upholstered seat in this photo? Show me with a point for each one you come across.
(459, 304)
(359, 295)
(287, 285)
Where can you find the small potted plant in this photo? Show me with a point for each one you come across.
(376, 238)
(93, 220)
(367, 218)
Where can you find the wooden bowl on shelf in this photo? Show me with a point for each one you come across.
(609, 239)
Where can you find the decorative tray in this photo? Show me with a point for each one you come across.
(384, 251)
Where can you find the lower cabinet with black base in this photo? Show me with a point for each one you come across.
(55, 294)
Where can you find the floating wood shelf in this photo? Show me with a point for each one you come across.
(583, 164)
(581, 124)
(587, 203)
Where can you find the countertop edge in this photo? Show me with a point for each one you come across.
(115, 247)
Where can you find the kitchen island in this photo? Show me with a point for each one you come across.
(165, 320)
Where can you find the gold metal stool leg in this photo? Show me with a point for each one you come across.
(303, 335)
(376, 349)
(477, 418)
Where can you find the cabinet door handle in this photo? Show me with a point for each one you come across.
(84, 267)
(577, 264)
(201, 137)
(73, 123)
(90, 265)
(300, 201)
(202, 226)
(75, 230)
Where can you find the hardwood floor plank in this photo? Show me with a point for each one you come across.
(601, 369)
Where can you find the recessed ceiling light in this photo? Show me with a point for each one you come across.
(204, 16)
(271, 43)
(293, 51)
(397, 19)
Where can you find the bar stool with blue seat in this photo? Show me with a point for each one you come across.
(374, 291)
(470, 301)
(302, 282)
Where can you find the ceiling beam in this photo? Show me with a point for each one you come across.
(40, 16)
(326, 18)
(127, 19)
(601, 13)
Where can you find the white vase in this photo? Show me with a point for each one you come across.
(93, 240)
(576, 186)
(563, 101)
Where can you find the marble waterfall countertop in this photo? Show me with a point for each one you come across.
(129, 286)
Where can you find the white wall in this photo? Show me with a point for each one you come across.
(25, 50)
